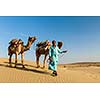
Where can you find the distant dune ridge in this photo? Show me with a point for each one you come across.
(81, 64)
(83, 72)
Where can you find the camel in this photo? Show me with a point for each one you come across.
(17, 47)
(44, 51)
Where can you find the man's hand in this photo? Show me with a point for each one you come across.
(65, 51)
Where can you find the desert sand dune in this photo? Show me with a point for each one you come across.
(68, 73)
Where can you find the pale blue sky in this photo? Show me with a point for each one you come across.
(81, 35)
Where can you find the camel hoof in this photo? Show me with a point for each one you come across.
(15, 66)
(37, 66)
(23, 66)
(43, 67)
(10, 65)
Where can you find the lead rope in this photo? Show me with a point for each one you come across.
(61, 56)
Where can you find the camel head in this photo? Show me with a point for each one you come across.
(60, 44)
(31, 39)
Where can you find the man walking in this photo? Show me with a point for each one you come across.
(54, 51)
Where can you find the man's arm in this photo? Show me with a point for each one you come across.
(65, 51)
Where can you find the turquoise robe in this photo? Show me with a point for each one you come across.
(53, 53)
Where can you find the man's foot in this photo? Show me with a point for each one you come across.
(54, 73)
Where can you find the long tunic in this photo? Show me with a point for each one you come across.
(53, 53)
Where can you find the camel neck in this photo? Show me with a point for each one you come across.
(27, 47)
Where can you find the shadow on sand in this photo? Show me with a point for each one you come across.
(19, 64)
(25, 69)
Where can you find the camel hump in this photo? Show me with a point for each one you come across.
(15, 41)
(42, 43)
(20, 41)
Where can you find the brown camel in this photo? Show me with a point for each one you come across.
(44, 50)
(17, 47)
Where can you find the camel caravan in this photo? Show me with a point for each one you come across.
(17, 47)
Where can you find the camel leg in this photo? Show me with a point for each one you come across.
(16, 58)
(10, 59)
(44, 61)
(37, 61)
(22, 59)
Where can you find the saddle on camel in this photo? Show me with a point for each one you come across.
(15, 43)
(43, 44)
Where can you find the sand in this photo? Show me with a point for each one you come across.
(67, 73)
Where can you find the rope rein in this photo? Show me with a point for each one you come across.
(61, 55)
